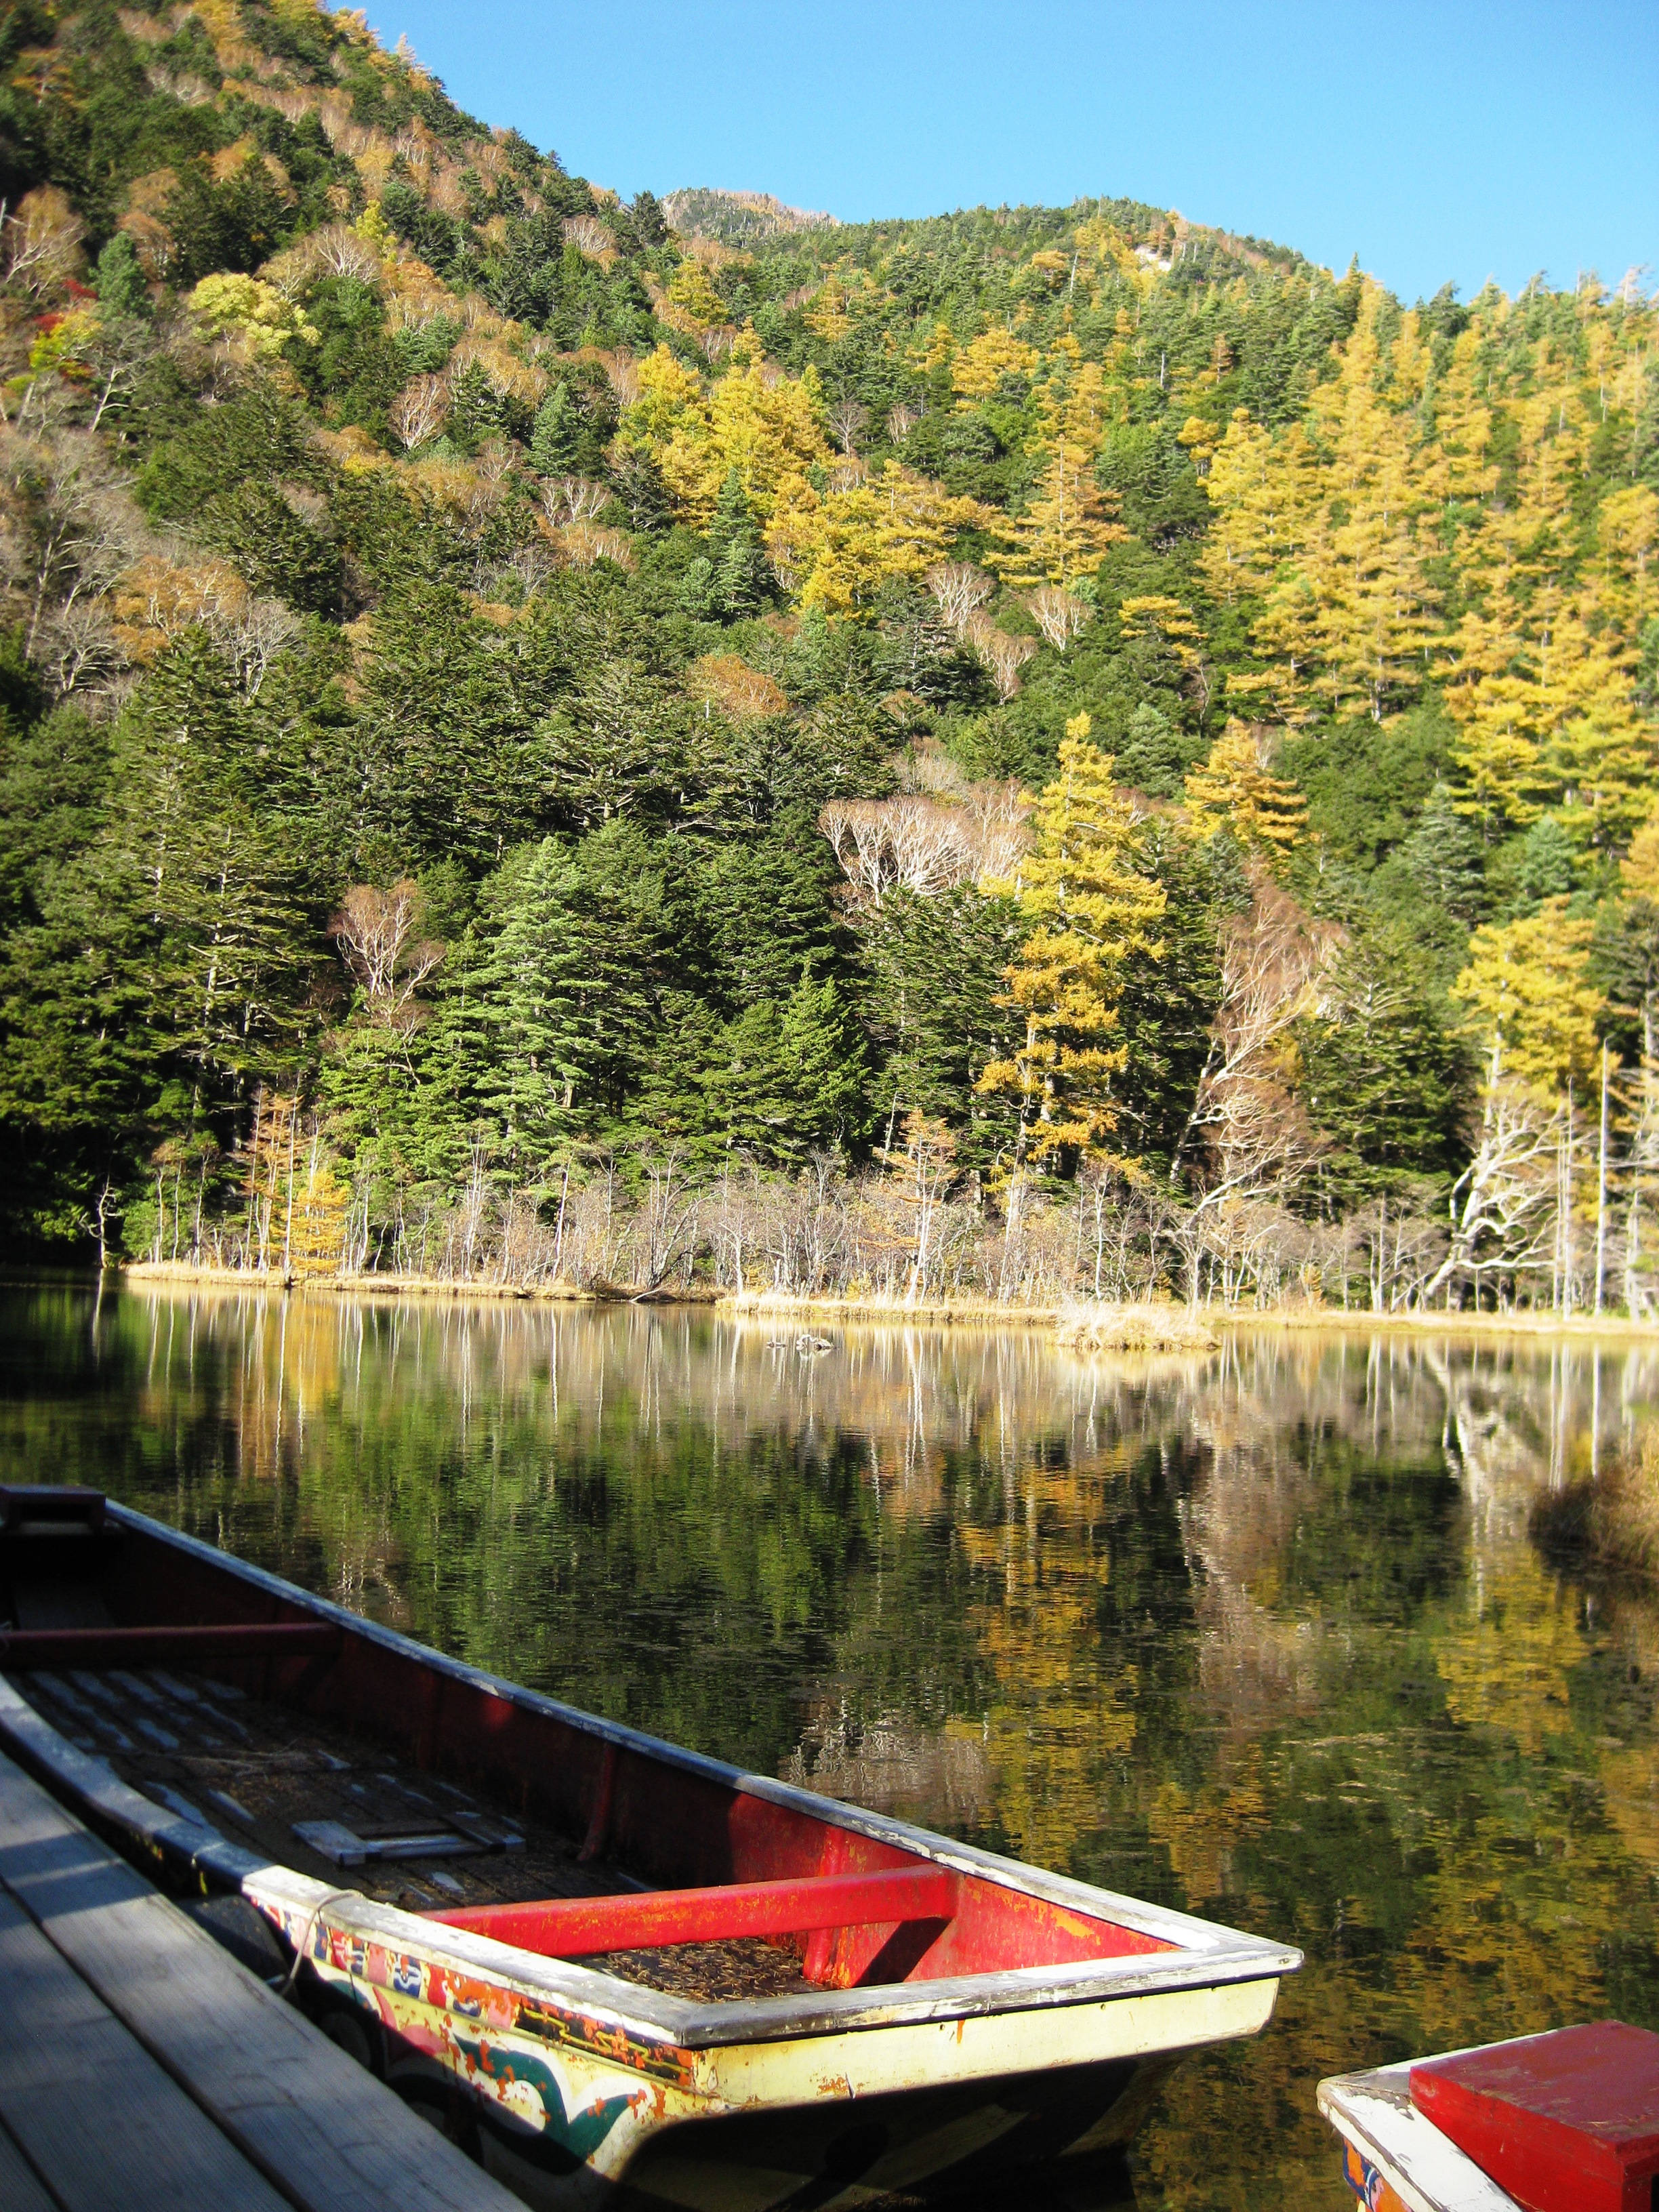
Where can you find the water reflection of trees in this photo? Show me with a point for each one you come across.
(1264, 1633)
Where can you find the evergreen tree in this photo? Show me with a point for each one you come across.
(638, 483)
(788, 1080)
(533, 986)
(569, 989)
(749, 1087)
(555, 440)
(648, 218)
(121, 287)
(825, 1059)
(763, 906)
(742, 580)
(1547, 867)
(1152, 757)
(453, 764)
(933, 1005)
(1384, 1072)
(474, 410)
(219, 879)
(1443, 854)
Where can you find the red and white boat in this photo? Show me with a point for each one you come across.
(596, 1959)
(1563, 2121)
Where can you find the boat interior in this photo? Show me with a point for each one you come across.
(236, 1703)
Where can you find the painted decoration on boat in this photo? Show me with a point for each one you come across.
(1367, 2183)
(566, 2111)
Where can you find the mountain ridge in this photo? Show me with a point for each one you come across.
(733, 218)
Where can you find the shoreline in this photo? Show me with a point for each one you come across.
(1334, 1320)
(1168, 1325)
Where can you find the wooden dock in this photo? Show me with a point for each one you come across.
(142, 2066)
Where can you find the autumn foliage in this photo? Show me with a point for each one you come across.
(1031, 749)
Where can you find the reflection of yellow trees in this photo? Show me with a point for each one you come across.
(284, 1371)
(1063, 1709)
(1196, 2157)
(1533, 1878)
(1629, 1786)
(1515, 1924)
(1201, 1829)
(1368, 1720)
(1507, 1665)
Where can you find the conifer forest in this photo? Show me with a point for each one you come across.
(552, 742)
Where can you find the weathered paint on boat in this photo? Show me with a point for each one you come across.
(1032, 2023)
(1368, 2184)
(1393, 2157)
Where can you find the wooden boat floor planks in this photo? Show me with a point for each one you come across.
(210, 2090)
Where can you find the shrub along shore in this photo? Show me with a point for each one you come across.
(1080, 1325)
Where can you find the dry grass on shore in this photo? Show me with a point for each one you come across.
(979, 1313)
(1133, 1326)
(1428, 1320)
(1142, 1327)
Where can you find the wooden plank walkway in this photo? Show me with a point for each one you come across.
(140, 2065)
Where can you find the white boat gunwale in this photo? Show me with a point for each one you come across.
(1425, 2168)
(1206, 1954)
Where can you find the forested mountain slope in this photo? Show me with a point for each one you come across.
(1034, 749)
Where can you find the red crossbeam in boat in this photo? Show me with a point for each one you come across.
(577, 1927)
(148, 1647)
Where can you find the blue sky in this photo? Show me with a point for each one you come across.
(1441, 142)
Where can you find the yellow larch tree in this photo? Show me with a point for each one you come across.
(1627, 560)
(1232, 791)
(694, 304)
(827, 315)
(1364, 567)
(930, 350)
(1105, 252)
(765, 425)
(1090, 908)
(1165, 622)
(1542, 685)
(1503, 779)
(1531, 1007)
(836, 549)
(1463, 422)
(980, 366)
(1640, 865)
(670, 396)
(1066, 530)
(1262, 489)
(1597, 748)
(1329, 525)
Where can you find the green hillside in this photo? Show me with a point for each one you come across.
(1029, 752)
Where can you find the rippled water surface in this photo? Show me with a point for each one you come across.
(1292, 1636)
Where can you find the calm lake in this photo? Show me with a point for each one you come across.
(1278, 1636)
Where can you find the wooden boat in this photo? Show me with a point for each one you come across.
(596, 1958)
(1394, 2157)
(1566, 2120)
